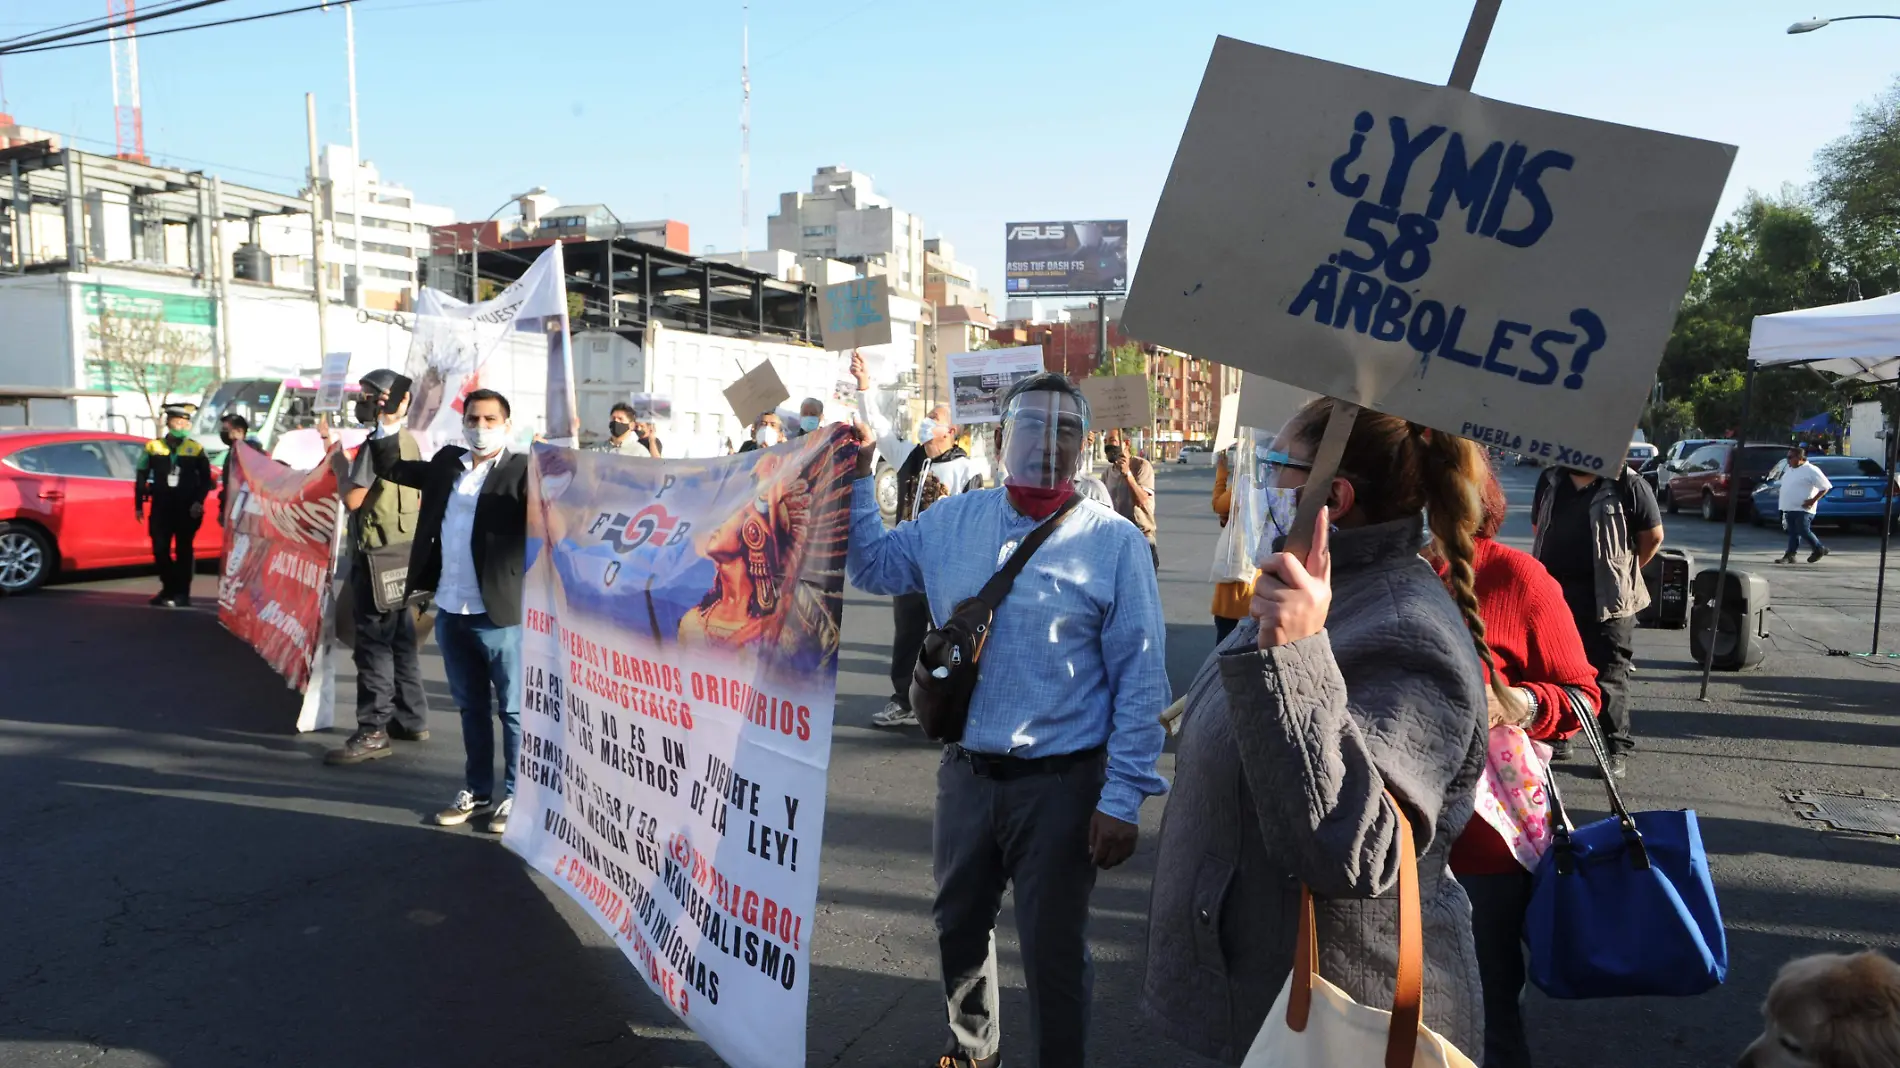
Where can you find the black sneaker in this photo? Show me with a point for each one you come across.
(1816, 555)
(1786, 559)
(1618, 767)
(958, 1060)
(465, 805)
(1560, 750)
(403, 734)
(163, 600)
(361, 746)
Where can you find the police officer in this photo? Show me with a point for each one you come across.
(174, 474)
(389, 698)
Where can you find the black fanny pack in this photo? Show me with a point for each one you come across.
(388, 569)
(945, 675)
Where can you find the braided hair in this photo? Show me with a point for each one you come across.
(1398, 468)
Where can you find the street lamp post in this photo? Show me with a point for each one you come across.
(475, 243)
(1810, 25)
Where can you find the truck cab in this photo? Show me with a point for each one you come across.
(273, 407)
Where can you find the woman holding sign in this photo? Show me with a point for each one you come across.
(1355, 680)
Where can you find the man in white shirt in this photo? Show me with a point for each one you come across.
(1802, 487)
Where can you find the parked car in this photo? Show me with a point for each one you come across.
(1858, 496)
(1195, 454)
(1704, 478)
(1658, 474)
(1640, 454)
(66, 505)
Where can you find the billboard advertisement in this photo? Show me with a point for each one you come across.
(1067, 257)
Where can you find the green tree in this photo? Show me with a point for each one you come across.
(1857, 190)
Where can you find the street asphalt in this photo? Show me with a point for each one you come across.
(186, 884)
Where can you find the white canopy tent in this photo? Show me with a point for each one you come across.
(1859, 340)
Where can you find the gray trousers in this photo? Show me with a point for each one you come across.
(1029, 833)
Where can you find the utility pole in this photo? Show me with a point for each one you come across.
(356, 157)
(1101, 331)
(316, 230)
(745, 128)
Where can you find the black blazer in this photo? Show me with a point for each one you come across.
(501, 521)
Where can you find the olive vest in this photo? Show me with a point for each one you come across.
(388, 514)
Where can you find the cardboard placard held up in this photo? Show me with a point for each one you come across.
(1485, 269)
(979, 379)
(651, 407)
(856, 313)
(336, 371)
(1124, 401)
(758, 391)
(1266, 404)
(1228, 426)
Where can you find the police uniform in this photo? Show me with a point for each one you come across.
(174, 476)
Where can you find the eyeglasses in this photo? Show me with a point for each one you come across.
(1268, 463)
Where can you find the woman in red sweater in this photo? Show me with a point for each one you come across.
(1539, 653)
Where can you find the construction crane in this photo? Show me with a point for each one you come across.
(128, 123)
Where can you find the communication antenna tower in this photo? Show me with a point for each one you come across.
(128, 123)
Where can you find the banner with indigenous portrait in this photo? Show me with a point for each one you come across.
(680, 663)
(279, 553)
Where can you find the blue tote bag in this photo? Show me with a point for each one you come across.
(1624, 906)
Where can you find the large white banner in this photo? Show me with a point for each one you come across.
(455, 341)
(680, 658)
(1486, 269)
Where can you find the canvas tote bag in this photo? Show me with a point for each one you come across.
(1314, 1024)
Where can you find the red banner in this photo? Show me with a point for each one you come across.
(278, 561)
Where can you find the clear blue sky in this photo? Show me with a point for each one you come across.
(970, 115)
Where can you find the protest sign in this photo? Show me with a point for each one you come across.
(651, 407)
(979, 379)
(455, 344)
(1124, 400)
(1486, 269)
(856, 313)
(758, 391)
(280, 542)
(336, 370)
(1227, 428)
(680, 659)
(1266, 404)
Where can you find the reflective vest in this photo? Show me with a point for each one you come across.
(388, 514)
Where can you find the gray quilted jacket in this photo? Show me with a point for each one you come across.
(1284, 759)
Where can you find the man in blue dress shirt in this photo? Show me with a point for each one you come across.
(1062, 740)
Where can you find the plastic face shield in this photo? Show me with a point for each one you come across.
(1042, 439)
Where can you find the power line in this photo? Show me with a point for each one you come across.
(107, 23)
(21, 50)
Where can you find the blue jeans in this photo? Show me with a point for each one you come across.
(1800, 528)
(483, 662)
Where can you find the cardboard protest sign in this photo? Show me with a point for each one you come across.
(1123, 400)
(1266, 404)
(758, 391)
(1486, 269)
(979, 379)
(336, 370)
(679, 675)
(856, 313)
(651, 407)
(1227, 428)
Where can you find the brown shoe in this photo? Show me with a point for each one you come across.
(361, 746)
(403, 734)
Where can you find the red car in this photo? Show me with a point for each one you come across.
(66, 505)
(1703, 479)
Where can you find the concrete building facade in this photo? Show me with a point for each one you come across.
(376, 223)
(844, 218)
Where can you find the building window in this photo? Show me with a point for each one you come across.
(384, 272)
(390, 199)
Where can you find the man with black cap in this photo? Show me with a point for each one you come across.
(174, 474)
(390, 702)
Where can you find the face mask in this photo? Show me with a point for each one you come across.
(1042, 439)
(926, 430)
(485, 439)
(766, 436)
(1112, 452)
(618, 429)
(1278, 507)
(174, 433)
(808, 423)
(365, 411)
